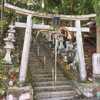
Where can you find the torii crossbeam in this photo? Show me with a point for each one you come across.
(34, 26)
(45, 15)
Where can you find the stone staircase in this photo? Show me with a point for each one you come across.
(44, 85)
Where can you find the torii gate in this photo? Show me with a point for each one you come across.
(27, 38)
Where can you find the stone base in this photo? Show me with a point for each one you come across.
(20, 93)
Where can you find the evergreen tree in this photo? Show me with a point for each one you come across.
(97, 10)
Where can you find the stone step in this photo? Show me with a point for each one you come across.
(37, 65)
(53, 88)
(41, 54)
(31, 59)
(55, 94)
(42, 67)
(57, 98)
(43, 83)
(43, 71)
(86, 55)
(41, 63)
(88, 58)
(48, 79)
(47, 62)
(50, 83)
(48, 75)
(35, 52)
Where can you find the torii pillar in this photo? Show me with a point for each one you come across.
(80, 50)
(26, 48)
(78, 29)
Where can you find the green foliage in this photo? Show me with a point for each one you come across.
(96, 5)
(7, 16)
(86, 7)
(97, 10)
(58, 6)
(3, 23)
(2, 88)
(98, 20)
(2, 69)
(70, 6)
(2, 84)
(36, 20)
(1, 65)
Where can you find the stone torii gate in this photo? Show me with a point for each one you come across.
(27, 38)
(78, 29)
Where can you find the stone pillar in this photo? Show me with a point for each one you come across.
(80, 50)
(26, 48)
(9, 44)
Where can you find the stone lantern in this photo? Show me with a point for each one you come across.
(9, 46)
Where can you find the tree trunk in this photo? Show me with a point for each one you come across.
(98, 39)
(97, 11)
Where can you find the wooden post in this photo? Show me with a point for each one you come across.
(26, 48)
(82, 68)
